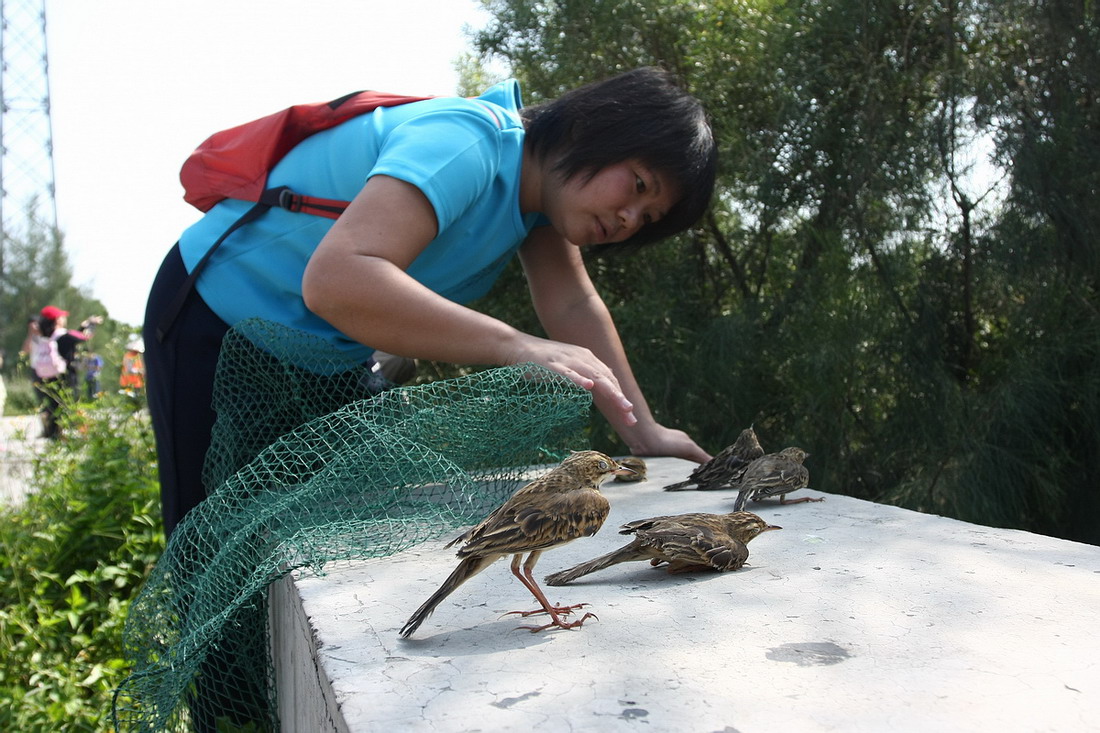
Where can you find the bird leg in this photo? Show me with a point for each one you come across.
(555, 612)
(784, 500)
(529, 582)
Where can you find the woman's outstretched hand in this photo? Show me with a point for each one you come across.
(644, 437)
(580, 366)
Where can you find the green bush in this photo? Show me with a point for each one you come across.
(21, 399)
(71, 558)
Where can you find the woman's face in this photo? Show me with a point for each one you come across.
(612, 205)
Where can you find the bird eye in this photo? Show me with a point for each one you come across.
(603, 465)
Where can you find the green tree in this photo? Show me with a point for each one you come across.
(854, 289)
(473, 76)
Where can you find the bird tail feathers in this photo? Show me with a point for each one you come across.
(623, 554)
(466, 569)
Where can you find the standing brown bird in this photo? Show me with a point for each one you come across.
(637, 470)
(726, 468)
(776, 474)
(555, 508)
(686, 542)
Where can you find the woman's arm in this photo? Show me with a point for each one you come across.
(32, 331)
(572, 311)
(357, 281)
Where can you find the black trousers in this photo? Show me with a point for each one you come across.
(179, 388)
(50, 392)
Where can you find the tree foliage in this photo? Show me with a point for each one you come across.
(862, 286)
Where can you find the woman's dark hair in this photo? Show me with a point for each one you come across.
(46, 325)
(644, 115)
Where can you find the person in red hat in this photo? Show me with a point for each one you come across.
(53, 313)
(51, 349)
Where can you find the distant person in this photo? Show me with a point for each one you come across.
(51, 349)
(47, 365)
(132, 377)
(92, 366)
(69, 342)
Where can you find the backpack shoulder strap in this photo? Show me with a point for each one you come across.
(169, 316)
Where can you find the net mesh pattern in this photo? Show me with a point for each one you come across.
(309, 471)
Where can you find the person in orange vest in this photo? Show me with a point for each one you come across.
(132, 377)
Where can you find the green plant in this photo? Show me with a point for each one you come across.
(71, 558)
(21, 399)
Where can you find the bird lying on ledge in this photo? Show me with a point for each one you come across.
(687, 542)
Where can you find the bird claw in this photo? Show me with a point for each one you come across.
(561, 610)
(560, 624)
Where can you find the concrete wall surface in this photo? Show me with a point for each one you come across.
(855, 617)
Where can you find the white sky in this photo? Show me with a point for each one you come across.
(135, 85)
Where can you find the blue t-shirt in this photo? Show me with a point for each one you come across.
(464, 155)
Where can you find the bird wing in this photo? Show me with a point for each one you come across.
(538, 521)
(546, 484)
(717, 468)
(663, 520)
(730, 554)
(728, 466)
(785, 476)
(704, 472)
(710, 472)
(696, 543)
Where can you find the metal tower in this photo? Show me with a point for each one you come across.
(26, 136)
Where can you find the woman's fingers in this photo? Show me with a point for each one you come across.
(580, 366)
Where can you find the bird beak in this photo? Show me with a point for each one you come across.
(624, 471)
(770, 527)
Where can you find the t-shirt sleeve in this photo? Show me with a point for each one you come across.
(452, 156)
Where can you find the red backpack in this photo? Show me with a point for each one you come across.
(235, 163)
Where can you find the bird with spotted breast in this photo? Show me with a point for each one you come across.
(687, 542)
(557, 507)
(726, 468)
(775, 474)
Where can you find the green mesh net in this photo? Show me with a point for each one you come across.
(310, 472)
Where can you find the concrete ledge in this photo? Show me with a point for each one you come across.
(305, 696)
(854, 617)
